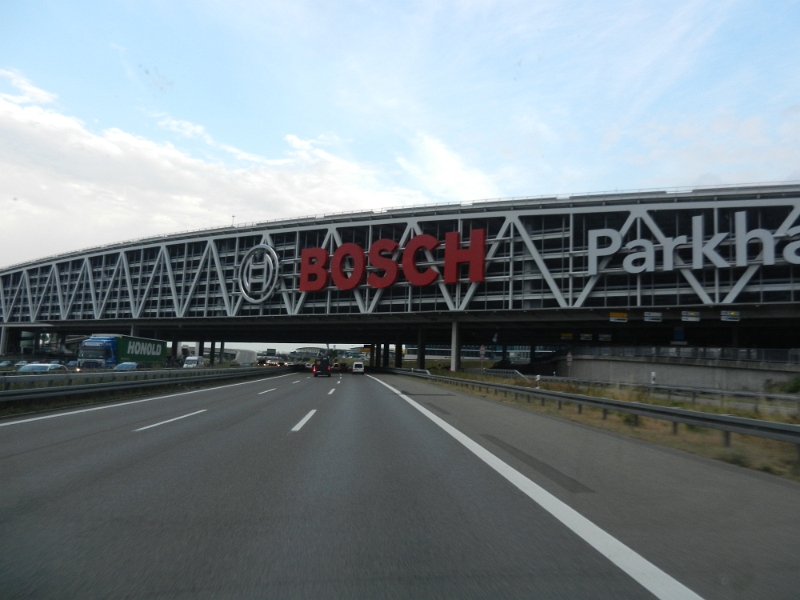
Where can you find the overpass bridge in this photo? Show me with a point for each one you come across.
(705, 266)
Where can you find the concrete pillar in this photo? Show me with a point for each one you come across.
(385, 363)
(37, 339)
(398, 355)
(135, 330)
(533, 354)
(505, 353)
(3, 341)
(213, 352)
(372, 355)
(201, 348)
(421, 348)
(455, 347)
(222, 352)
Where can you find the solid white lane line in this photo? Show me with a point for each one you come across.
(84, 410)
(171, 420)
(266, 391)
(649, 576)
(304, 421)
(333, 390)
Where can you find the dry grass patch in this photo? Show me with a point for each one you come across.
(770, 456)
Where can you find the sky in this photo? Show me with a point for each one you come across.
(121, 120)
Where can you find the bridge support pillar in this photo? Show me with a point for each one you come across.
(213, 353)
(201, 348)
(533, 353)
(372, 355)
(385, 364)
(455, 347)
(173, 358)
(134, 330)
(398, 355)
(222, 353)
(421, 348)
(3, 341)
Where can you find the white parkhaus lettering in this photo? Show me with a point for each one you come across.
(604, 243)
(144, 348)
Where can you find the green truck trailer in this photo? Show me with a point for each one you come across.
(103, 351)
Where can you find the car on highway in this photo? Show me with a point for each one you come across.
(21, 363)
(38, 369)
(6, 363)
(358, 368)
(130, 366)
(322, 366)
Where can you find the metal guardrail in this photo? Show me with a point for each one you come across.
(728, 424)
(67, 387)
(692, 392)
(790, 356)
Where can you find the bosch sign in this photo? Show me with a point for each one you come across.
(317, 267)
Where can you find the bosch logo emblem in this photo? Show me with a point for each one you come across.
(258, 275)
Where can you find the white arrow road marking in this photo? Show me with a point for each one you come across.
(304, 421)
(170, 420)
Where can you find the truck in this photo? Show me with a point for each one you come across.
(194, 362)
(107, 350)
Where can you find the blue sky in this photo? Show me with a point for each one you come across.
(126, 119)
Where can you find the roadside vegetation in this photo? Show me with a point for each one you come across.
(778, 458)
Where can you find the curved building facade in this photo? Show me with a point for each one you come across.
(714, 260)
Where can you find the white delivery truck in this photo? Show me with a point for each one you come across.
(194, 362)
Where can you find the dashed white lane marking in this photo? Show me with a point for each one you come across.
(84, 410)
(649, 576)
(304, 421)
(333, 390)
(338, 382)
(298, 381)
(170, 420)
(266, 391)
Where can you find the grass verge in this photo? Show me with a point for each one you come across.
(769, 456)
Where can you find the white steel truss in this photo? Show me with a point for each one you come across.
(536, 259)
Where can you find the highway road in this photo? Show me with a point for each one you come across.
(374, 487)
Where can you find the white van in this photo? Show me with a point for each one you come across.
(193, 362)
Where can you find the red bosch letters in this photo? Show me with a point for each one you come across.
(314, 274)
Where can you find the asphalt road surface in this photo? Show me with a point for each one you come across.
(387, 487)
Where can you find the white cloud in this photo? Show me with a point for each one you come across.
(29, 92)
(63, 187)
(443, 173)
(728, 148)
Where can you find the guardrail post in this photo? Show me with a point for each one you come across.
(538, 381)
(726, 438)
(605, 414)
(674, 428)
(559, 405)
(694, 397)
(580, 409)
